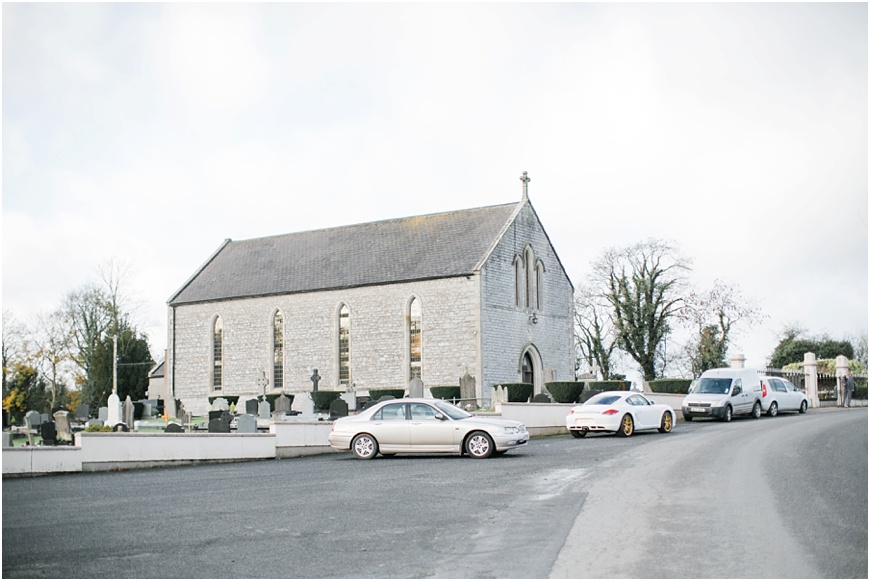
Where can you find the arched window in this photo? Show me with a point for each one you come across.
(528, 369)
(344, 345)
(539, 284)
(217, 357)
(415, 339)
(278, 351)
(530, 277)
(519, 280)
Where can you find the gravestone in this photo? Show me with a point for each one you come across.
(307, 406)
(315, 380)
(215, 415)
(467, 389)
(32, 420)
(282, 405)
(541, 398)
(103, 414)
(252, 407)
(120, 427)
(48, 433)
(90, 423)
(179, 410)
(173, 428)
(128, 412)
(7, 439)
(338, 408)
(415, 388)
(246, 424)
(61, 423)
(350, 398)
(114, 405)
(83, 412)
(219, 426)
(45, 417)
(264, 410)
(220, 405)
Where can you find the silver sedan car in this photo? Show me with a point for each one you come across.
(424, 425)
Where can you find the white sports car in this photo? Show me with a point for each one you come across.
(622, 412)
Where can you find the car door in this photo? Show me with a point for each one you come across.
(644, 412)
(391, 428)
(428, 432)
(792, 395)
(740, 398)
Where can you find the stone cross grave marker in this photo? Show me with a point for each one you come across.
(246, 424)
(262, 383)
(315, 379)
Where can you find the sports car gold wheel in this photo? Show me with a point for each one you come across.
(667, 423)
(626, 427)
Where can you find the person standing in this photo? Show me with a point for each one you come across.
(848, 389)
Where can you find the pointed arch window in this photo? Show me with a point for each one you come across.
(344, 345)
(278, 351)
(530, 277)
(217, 357)
(519, 282)
(415, 338)
(539, 285)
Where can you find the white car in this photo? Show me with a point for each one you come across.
(424, 425)
(781, 395)
(622, 412)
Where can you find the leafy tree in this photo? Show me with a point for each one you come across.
(25, 391)
(594, 332)
(134, 362)
(792, 347)
(642, 285)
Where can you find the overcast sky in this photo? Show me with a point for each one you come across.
(149, 133)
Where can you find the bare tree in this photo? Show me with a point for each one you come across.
(88, 316)
(642, 284)
(595, 335)
(52, 341)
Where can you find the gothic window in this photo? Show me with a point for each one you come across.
(539, 284)
(528, 369)
(519, 282)
(344, 345)
(217, 354)
(530, 277)
(278, 351)
(415, 343)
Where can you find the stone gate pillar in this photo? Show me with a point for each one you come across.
(811, 379)
(738, 361)
(842, 366)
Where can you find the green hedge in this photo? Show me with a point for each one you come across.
(322, 399)
(670, 385)
(449, 392)
(519, 392)
(612, 385)
(566, 391)
(860, 388)
(377, 394)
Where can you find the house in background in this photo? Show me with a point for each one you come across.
(371, 306)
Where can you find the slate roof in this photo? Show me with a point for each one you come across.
(390, 251)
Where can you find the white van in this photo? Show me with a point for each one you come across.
(723, 393)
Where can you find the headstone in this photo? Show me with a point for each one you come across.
(338, 408)
(262, 383)
(179, 410)
(350, 398)
(103, 414)
(315, 379)
(173, 428)
(114, 405)
(96, 422)
(219, 426)
(467, 389)
(541, 398)
(120, 427)
(32, 420)
(264, 410)
(307, 405)
(48, 433)
(220, 405)
(282, 405)
(83, 412)
(7, 439)
(128, 416)
(246, 424)
(252, 407)
(415, 388)
(45, 417)
(64, 431)
(215, 415)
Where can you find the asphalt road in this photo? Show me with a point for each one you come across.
(788, 493)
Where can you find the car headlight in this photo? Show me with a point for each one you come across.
(718, 404)
(511, 430)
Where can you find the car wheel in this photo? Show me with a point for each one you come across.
(756, 410)
(728, 414)
(626, 426)
(364, 446)
(773, 410)
(479, 445)
(667, 423)
(687, 417)
(578, 433)
(803, 408)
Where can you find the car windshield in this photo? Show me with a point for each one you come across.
(713, 385)
(451, 411)
(603, 399)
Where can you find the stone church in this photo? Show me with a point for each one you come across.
(371, 306)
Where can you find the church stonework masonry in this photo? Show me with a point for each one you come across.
(371, 306)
